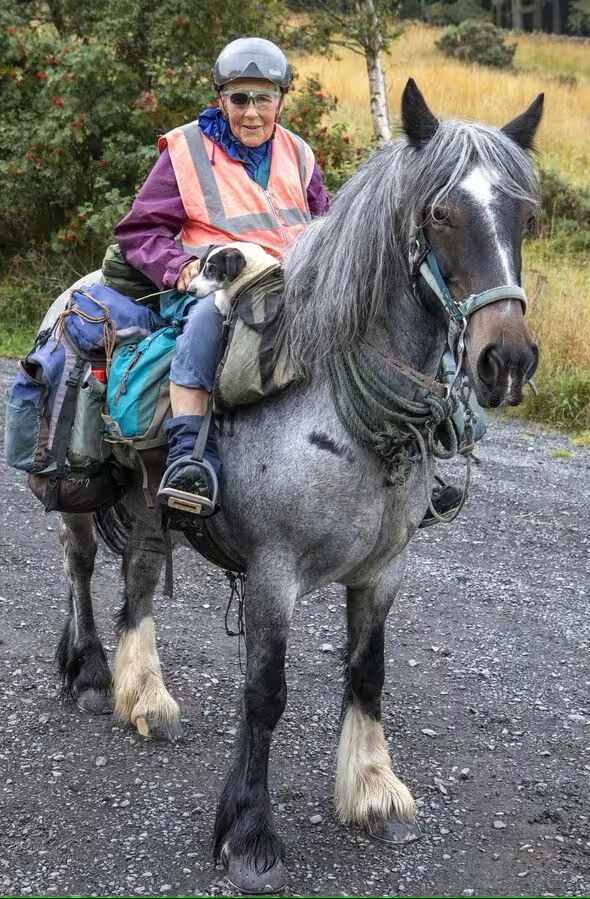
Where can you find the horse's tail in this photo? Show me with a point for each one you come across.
(113, 525)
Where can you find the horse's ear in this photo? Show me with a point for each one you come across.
(418, 122)
(522, 129)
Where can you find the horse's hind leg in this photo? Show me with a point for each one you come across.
(141, 698)
(367, 790)
(82, 662)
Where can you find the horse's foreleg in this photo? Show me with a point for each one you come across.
(141, 698)
(367, 790)
(245, 837)
(82, 662)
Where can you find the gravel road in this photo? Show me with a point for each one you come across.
(486, 708)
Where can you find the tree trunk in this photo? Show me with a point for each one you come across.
(538, 15)
(377, 91)
(516, 15)
(556, 17)
(498, 4)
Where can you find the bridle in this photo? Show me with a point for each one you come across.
(424, 263)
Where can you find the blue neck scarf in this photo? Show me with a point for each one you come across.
(256, 160)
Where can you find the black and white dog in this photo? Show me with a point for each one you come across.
(227, 269)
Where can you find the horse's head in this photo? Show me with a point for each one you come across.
(474, 224)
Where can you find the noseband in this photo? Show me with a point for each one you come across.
(425, 263)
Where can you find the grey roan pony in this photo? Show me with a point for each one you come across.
(305, 500)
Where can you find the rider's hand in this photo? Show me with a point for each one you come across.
(190, 271)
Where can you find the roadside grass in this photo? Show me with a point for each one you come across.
(16, 342)
(558, 287)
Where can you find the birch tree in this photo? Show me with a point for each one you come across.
(366, 27)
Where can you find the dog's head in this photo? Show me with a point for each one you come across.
(219, 267)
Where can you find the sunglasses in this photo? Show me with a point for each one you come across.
(262, 99)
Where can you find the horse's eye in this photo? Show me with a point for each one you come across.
(441, 217)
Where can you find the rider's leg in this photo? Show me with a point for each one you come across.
(191, 375)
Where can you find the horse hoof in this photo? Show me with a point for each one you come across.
(95, 701)
(392, 830)
(243, 876)
(158, 728)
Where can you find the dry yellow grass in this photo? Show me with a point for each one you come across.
(559, 294)
(476, 92)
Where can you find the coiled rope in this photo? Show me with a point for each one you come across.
(398, 430)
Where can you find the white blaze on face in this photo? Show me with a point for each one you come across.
(479, 184)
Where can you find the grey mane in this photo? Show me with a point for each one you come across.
(346, 266)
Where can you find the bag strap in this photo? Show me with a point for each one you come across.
(63, 428)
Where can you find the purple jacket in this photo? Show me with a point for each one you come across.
(146, 234)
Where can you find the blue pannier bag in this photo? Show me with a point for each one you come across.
(138, 390)
(97, 318)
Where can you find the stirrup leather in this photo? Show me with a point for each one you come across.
(183, 500)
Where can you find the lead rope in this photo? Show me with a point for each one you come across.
(237, 582)
(448, 516)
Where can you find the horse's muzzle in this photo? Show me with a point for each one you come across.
(502, 372)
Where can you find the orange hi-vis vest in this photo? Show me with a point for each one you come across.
(223, 203)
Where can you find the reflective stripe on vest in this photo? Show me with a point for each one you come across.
(222, 201)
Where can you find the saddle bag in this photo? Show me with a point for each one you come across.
(53, 428)
(97, 318)
(255, 361)
(138, 390)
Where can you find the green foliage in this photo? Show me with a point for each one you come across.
(85, 89)
(477, 41)
(564, 214)
(336, 153)
(31, 284)
(455, 12)
(563, 399)
(579, 18)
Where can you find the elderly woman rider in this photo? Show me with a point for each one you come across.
(233, 174)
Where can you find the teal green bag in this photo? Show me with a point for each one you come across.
(138, 390)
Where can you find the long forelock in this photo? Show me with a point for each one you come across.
(349, 264)
(458, 147)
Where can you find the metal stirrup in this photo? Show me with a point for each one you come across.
(183, 500)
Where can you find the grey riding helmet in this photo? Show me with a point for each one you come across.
(252, 57)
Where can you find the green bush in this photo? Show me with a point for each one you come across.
(479, 42)
(564, 214)
(85, 90)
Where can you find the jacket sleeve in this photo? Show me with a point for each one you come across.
(146, 234)
(317, 195)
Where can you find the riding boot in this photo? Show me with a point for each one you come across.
(196, 480)
(445, 498)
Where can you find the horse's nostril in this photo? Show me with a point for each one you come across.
(490, 364)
